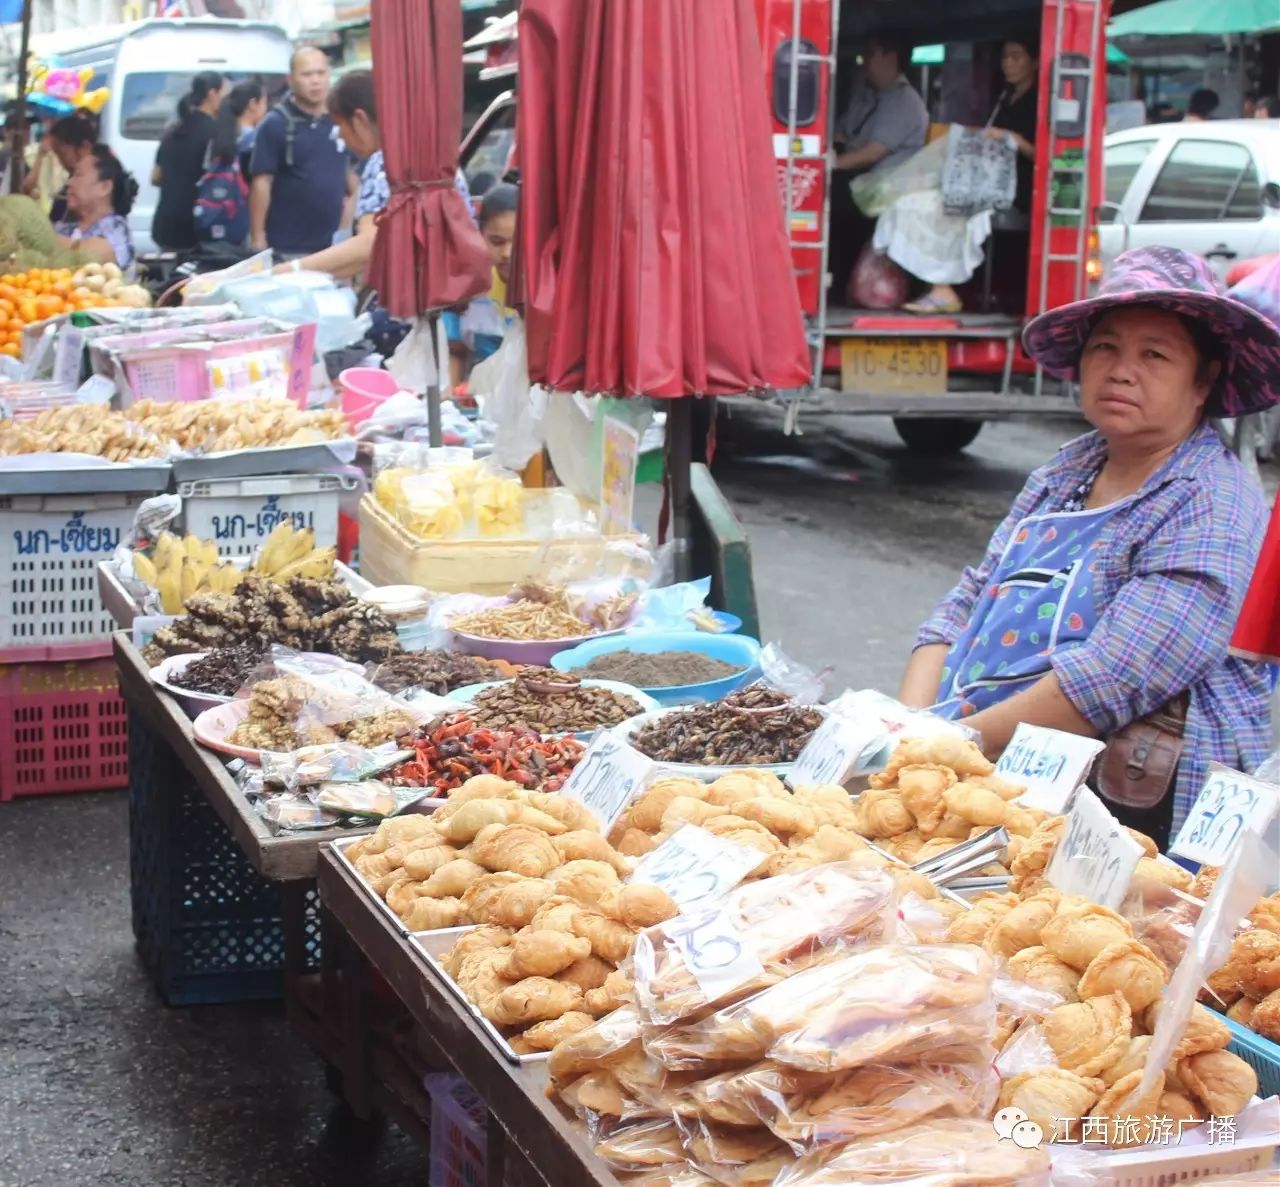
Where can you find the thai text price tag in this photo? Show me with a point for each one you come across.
(1050, 762)
(831, 755)
(716, 953)
(1096, 856)
(694, 865)
(608, 777)
(1228, 804)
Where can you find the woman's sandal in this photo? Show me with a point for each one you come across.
(932, 304)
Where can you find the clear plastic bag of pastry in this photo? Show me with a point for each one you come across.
(368, 798)
(292, 813)
(334, 762)
(800, 682)
(808, 1110)
(887, 1004)
(930, 1153)
(731, 1154)
(755, 935)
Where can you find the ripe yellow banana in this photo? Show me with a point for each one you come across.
(169, 583)
(168, 548)
(317, 564)
(144, 569)
(272, 555)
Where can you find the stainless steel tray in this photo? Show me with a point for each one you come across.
(271, 459)
(148, 479)
(339, 848)
(434, 944)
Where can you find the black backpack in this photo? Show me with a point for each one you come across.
(287, 113)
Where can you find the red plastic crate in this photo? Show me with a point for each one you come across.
(63, 727)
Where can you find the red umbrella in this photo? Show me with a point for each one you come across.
(654, 255)
(428, 253)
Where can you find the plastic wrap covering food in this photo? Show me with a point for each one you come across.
(945, 1152)
(888, 1004)
(808, 1110)
(756, 934)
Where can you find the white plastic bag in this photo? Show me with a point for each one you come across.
(875, 192)
(500, 385)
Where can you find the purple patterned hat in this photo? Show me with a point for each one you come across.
(1182, 283)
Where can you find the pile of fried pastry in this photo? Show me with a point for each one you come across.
(545, 888)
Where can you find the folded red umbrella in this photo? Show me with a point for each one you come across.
(428, 253)
(653, 254)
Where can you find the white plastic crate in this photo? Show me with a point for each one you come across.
(50, 546)
(459, 1123)
(238, 514)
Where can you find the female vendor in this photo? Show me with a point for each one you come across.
(1108, 595)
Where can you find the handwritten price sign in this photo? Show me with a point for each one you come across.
(1050, 762)
(834, 751)
(1096, 856)
(715, 952)
(1228, 804)
(693, 865)
(609, 776)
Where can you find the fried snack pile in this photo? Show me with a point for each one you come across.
(305, 614)
(524, 620)
(218, 426)
(793, 831)
(545, 887)
(82, 428)
(1111, 986)
(151, 430)
(287, 713)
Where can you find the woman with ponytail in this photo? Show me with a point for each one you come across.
(180, 162)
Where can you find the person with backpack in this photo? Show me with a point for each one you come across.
(222, 194)
(303, 184)
(180, 162)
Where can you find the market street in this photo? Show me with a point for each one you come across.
(101, 1084)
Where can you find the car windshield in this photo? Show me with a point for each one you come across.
(149, 103)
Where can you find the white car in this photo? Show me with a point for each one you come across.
(1212, 188)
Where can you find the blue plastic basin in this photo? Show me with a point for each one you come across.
(732, 649)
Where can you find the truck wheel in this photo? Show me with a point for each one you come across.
(937, 436)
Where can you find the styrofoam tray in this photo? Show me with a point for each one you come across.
(628, 729)
(128, 477)
(434, 944)
(468, 693)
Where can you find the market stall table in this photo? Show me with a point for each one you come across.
(177, 884)
(529, 1140)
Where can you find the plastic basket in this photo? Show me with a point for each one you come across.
(207, 926)
(49, 553)
(459, 1123)
(238, 514)
(63, 727)
(1259, 1053)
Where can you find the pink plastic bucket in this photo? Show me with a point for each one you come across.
(363, 389)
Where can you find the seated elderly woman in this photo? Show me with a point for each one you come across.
(1108, 595)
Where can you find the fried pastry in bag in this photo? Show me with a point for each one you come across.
(610, 1038)
(940, 1152)
(780, 921)
(808, 1110)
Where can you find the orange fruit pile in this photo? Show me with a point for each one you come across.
(35, 295)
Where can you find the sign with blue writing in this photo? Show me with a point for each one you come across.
(1050, 762)
(693, 865)
(608, 777)
(74, 537)
(1096, 856)
(1228, 804)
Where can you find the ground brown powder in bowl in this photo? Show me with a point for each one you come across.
(658, 669)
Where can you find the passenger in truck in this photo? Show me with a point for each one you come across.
(884, 123)
(942, 249)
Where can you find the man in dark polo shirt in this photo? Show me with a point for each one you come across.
(303, 182)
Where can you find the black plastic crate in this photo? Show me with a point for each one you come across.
(207, 926)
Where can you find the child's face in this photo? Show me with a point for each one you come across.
(499, 235)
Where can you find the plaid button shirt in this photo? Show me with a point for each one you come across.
(1173, 568)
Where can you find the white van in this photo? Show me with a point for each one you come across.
(149, 66)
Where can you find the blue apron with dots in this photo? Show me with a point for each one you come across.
(1040, 599)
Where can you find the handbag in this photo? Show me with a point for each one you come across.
(979, 173)
(1140, 762)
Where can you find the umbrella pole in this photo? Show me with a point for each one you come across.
(679, 497)
(435, 434)
(22, 125)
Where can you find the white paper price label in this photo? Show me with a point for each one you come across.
(832, 754)
(1096, 856)
(716, 953)
(1228, 804)
(608, 777)
(1050, 762)
(693, 865)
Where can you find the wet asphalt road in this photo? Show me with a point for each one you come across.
(853, 541)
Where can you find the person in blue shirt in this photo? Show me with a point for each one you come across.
(476, 330)
(303, 182)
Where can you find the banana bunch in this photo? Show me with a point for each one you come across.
(181, 567)
(290, 552)
(499, 506)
